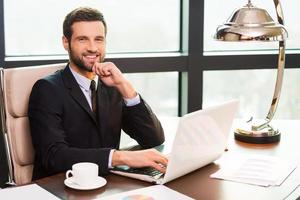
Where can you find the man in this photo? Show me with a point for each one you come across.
(73, 122)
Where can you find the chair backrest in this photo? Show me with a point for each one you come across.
(16, 88)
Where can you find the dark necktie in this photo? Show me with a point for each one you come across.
(94, 96)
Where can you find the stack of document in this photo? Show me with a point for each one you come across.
(156, 192)
(254, 169)
(32, 191)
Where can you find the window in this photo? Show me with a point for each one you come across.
(159, 89)
(254, 89)
(224, 10)
(34, 27)
(161, 95)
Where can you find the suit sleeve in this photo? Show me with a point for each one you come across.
(141, 124)
(48, 134)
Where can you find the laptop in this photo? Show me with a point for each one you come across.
(200, 139)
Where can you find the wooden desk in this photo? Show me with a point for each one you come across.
(197, 184)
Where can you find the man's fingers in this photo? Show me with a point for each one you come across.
(106, 71)
(96, 68)
(163, 161)
(103, 69)
(159, 161)
(159, 167)
(159, 157)
(146, 158)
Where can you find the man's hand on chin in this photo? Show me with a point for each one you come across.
(110, 75)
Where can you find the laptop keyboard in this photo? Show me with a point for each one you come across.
(144, 170)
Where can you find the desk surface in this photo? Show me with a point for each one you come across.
(197, 184)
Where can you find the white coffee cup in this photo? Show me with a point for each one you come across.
(84, 173)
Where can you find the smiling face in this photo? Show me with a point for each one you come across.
(86, 46)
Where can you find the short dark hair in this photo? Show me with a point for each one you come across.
(81, 14)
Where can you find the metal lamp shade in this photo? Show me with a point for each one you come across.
(250, 23)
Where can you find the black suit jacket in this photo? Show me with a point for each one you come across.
(65, 130)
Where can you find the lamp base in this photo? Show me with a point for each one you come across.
(264, 136)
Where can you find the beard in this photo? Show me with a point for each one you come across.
(80, 63)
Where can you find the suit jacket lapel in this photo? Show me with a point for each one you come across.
(76, 92)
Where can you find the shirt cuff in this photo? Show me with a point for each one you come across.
(133, 101)
(110, 159)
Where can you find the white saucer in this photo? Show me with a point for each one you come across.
(99, 182)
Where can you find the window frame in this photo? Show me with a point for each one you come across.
(189, 62)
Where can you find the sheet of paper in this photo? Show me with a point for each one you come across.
(32, 192)
(156, 192)
(254, 169)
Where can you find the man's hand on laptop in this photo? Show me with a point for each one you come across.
(142, 158)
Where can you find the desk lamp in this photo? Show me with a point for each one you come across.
(251, 23)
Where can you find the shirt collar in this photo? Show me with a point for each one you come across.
(83, 81)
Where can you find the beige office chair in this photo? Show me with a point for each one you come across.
(16, 85)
